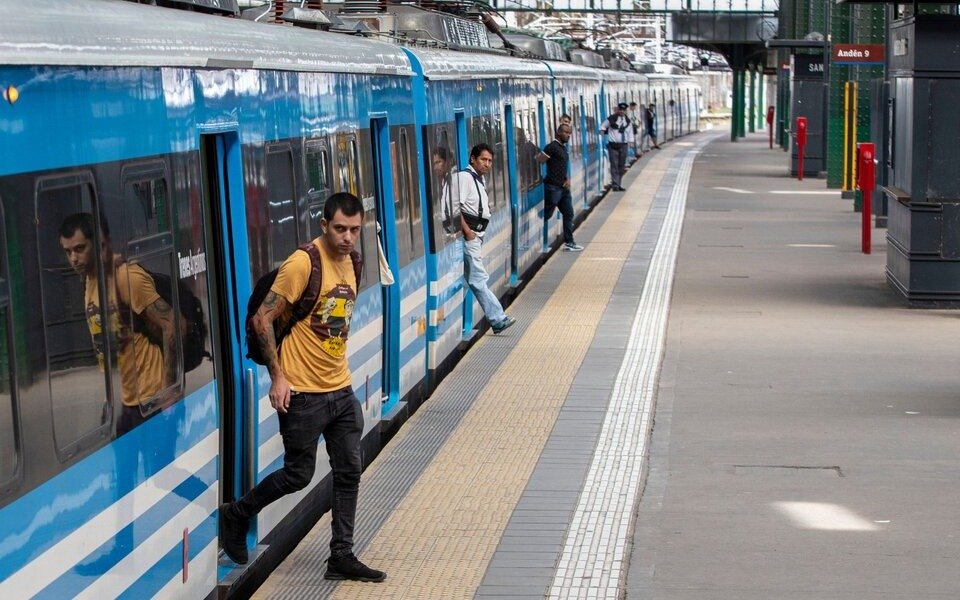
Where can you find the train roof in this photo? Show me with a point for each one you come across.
(115, 33)
(447, 64)
(572, 71)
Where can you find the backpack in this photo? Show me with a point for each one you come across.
(303, 306)
(193, 327)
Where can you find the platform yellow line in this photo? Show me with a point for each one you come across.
(439, 540)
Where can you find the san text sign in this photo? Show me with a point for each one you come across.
(858, 54)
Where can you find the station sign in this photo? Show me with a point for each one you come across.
(858, 54)
(807, 66)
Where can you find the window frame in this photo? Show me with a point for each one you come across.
(98, 434)
(10, 484)
(153, 246)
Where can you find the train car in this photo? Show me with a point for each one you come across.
(204, 167)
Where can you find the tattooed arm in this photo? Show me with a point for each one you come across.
(270, 310)
(160, 315)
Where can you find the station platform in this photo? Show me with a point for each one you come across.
(719, 398)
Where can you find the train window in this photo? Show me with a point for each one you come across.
(9, 423)
(319, 184)
(502, 175)
(406, 203)
(81, 338)
(281, 203)
(441, 165)
(150, 361)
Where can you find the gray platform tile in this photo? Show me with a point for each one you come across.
(515, 592)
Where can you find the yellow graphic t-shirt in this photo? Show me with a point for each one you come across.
(313, 356)
(140, 362)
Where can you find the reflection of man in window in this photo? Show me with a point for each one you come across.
(444, 170)
(148, 371)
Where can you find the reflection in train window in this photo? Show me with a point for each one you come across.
(150, 358)
(81, 338)
(282, 203)
(319, 185)
(9, 422)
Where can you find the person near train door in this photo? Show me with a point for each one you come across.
(619, 132)
(474, 216)
(310, 387)
(556, 185)
(650, 125)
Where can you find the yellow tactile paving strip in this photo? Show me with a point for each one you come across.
(439, 540)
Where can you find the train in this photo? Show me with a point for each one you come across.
(203, 147)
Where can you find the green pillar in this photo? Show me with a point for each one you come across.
(752, 123)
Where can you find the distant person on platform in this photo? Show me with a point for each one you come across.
(619, 132)
(556, 185)
(636, 120)
(650, 122)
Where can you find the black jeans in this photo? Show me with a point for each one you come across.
(336, 415)
(554, 197)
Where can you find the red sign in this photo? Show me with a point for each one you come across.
(858, 54)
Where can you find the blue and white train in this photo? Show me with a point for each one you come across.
(206, 145)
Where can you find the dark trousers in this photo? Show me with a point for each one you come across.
(554, 197)
(618, 161)
(336, 415)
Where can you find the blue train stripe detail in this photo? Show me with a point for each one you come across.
(106, 557)
(59, 520)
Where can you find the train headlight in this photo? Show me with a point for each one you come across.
(11, 94)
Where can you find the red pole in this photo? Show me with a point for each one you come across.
(801, 144)
(770, 124)
(866, 182)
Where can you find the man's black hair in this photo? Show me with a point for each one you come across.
(345, 202)
(85, 223)
(479, 149)
(442, 153)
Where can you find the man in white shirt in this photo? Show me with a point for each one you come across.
(474, 216)
(619, 132)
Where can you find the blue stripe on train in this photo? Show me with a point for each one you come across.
(102, 559)
(41, 518)
(167, 567)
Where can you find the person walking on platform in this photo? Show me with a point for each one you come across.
(650, 129)
(635, 115)
(556, 185)
(310, 387)
(474, 216)
(619, 134)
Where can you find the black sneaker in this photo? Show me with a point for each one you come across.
(348, 567)
(233, 533)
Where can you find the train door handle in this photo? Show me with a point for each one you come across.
(251, 443)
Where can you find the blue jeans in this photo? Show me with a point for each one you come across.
(336, 415)
(559, 197)
(477, 280)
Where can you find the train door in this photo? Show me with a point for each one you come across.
(227, 258)
(580, 121)
(384, 192)
(515, 183)
(460, 123)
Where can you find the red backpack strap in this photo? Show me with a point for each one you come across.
(308, 299)
(357, 268)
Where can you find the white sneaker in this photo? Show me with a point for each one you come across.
(574, 247)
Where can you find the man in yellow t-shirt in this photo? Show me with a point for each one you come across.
(311, 389)
(148, 371)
